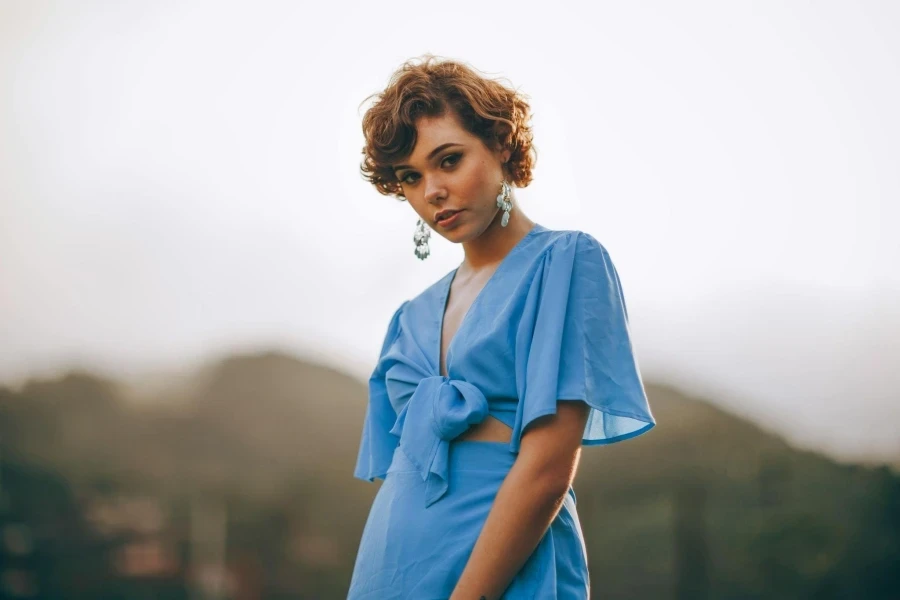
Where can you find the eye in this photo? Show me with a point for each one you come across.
(452, 158)
(405, 179)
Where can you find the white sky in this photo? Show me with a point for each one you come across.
(180, 180)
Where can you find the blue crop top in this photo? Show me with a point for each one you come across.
(550, 324)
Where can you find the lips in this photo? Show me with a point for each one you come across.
(444, 214)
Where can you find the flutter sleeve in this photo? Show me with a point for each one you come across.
(578, 345)
(376, 449)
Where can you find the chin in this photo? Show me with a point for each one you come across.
(457, 235)
(454, 236)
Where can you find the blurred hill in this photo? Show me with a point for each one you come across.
(817, 364)
(706, 505)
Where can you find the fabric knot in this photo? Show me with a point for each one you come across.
(439, 410)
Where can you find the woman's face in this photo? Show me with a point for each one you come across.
(451, 169)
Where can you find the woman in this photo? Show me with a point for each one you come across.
(491, 380)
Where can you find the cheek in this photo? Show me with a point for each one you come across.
(476, 182)
(422, 210)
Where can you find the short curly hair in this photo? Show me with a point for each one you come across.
(428, 87)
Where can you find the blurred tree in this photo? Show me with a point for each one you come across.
(691, 548)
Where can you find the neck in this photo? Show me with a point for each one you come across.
(496, 241)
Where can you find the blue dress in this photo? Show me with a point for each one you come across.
(549, 325)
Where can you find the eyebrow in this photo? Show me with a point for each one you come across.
(430, 154)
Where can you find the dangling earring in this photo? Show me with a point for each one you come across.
(421, 239)
(504, 203)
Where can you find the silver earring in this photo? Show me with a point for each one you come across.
(504, 203)
(423, 233)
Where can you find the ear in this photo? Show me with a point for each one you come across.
(505, 155)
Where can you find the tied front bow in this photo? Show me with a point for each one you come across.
(439, 410)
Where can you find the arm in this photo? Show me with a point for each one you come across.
(526, 503)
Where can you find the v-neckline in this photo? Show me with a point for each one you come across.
(446, 297)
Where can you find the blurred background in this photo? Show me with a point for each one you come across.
(195, 283)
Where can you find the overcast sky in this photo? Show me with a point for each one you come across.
(179, 180)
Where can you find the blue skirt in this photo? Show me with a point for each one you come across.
(409, 551)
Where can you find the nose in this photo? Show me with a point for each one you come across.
(435, 190)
